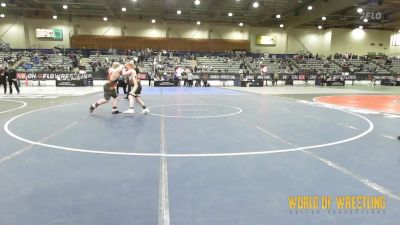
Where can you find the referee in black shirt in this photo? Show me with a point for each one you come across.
(3, 80)
(12, 79)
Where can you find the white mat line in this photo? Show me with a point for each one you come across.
(24, 104)
(331, 164)
(363, 180)
(26, 148)
(163, 214)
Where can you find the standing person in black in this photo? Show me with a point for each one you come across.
(205, 80)
(12, 79)
(150, 77)
(121, 83)
(3, 78)
(190, 78)
(272, 77)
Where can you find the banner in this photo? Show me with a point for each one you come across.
(265, 40)
(165, 84)
(72, 83)
(222, 77)
(56, 34)
(53, 76)
(142, 76)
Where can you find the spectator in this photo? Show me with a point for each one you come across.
(264, 70)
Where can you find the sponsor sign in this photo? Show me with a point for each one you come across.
(266, 40)
(56, 34)
(52, 76)
(165, 84)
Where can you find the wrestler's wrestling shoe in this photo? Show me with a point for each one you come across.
(129, 111)
(146, 111)
(92, 108)
(115, 111)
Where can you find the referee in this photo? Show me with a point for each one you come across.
(12, 79)
(3, 79)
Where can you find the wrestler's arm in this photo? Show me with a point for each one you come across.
(119, 69)
(126, 72)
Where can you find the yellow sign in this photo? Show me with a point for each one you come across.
(349, 202)
(265, 40)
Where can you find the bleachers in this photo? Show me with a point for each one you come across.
(215, 64)
(102, 60)
(59, 62)
(318, 65)
(49, 62)
(3, 55)
(279, 66)
(6, 57)
(362, 66)
(394, 66)
(209, 64)
(164, 64)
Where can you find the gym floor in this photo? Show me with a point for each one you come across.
(208, 156)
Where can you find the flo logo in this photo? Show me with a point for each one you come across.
(372, 16)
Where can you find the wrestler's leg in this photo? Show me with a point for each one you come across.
(141, 103)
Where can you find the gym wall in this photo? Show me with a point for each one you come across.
(20, 33)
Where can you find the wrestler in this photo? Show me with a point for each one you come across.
(135, 93)
(110, 89)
